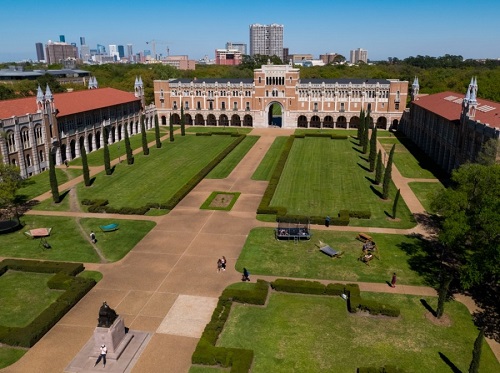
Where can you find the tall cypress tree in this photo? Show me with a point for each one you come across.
(476, 352)
(128, 148)
(388, 174)
(85, 166)
(395, 204)
(107, 158)
(145, 148)
(444, 285)
(373, 149)
(157, 132)
(183, 122)
(54, 187)
(171, 129)
(366, 132)
(379, 170)
(361, 126)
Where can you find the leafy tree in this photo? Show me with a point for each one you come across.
(388, 174)
(128, 148)
(183, 122)
(373, 149)
(107, 158)
(53, 83)
(476, 352)
(85, 166)
(157, 132)
(54, 187)
(470, 225)
(379, 170)
(145, 148)
(10, 182)
(489, 151)
(6, 92)
(171, 128)
(395, 204)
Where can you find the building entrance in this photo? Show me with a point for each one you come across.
(275, 115)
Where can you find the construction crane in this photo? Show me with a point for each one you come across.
(153, 44)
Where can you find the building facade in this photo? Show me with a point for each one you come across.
(242, 47)
(449, 127)
(231, 57)
(39, 52)
(266, 40)
(359, 55)
(308, 103)
(63, 123)
(56, 52)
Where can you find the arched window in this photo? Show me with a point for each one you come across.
(25, 138)
(11, 142)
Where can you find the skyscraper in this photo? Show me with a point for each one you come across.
(62, 38)
(101, 49)
(82, 40)
(242, 47)
(39, 52)
(113, 51)
(266, 40)
(130, 53)
(121, 51)
(359, 55)
(56, 52)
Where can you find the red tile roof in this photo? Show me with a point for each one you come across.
(69, 103)
(449, 106)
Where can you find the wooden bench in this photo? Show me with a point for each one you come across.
(363, 237)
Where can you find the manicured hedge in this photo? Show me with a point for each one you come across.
(75, 288)
(206, 353)
(385, 369)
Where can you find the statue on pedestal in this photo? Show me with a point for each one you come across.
(107, 316)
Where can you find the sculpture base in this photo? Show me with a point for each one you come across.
(115, 338)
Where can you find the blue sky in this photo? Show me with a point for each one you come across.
(198, 27)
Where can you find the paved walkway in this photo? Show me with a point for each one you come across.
(168, 284)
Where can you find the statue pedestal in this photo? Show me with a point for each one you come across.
(114, 337)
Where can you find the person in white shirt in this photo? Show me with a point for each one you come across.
(102, 356)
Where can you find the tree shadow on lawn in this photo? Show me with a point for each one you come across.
(428, 307)
(358, 150)
(363, 167)
(370, 180)
(448, 362)
(377, 192)
(488, 317)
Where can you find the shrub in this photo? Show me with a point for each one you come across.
(298, 286)
(360, 214)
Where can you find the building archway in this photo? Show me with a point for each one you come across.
(354, 122)
(328, 122)
(176, 119)
(315, 122)
(275, 114)
(89, 141)
(382, 123)
(188, 119)
(302, 121)
(98, 140)
(211, 120)
(198, 120)
(72, 145)
(163, 120)
(341, 122)
(235, 120)
(223, 121)
(63, 152)
(248, 121)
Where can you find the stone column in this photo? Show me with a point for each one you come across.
(36, 162)
(20, 150)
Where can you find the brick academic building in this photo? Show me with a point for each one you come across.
(303, 103)
(63, 123)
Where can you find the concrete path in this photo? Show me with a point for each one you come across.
(168, 284)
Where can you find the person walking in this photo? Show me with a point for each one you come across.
(92, 237)
(246, 275)
(224, 263)
(393, 280)
(219, 265)
(102, 356)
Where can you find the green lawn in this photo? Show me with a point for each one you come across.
(50, 205)
(17, 289)
(155, 178)
(263, 255)
(302, 131)
(116, 150)
(224, 168)
(9, 355)
(268, 163)
(69, 243)
(39, 184)
(425, 192)
(323, 176)
(317, 334)
(409, 160)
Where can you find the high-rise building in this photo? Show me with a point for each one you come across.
(130, 53)
(55, 52)
(242, 47)
(358, 55)
(39, 52)
(62, 38)
(101, 49)
(266, 40)
(121, 51)
(85, 53)
(113, 51)
(227, 57)
(82, 40)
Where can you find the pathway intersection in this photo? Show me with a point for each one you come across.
(168, 284)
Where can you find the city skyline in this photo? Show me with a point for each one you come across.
(393, 29)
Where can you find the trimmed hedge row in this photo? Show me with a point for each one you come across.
(264, 207)
(101, 206)
(355, 301)
(75, 288)
(206, 353)
(316, 134)
(384, 369)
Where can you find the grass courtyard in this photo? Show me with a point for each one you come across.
(323, 176)
(317, 334)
